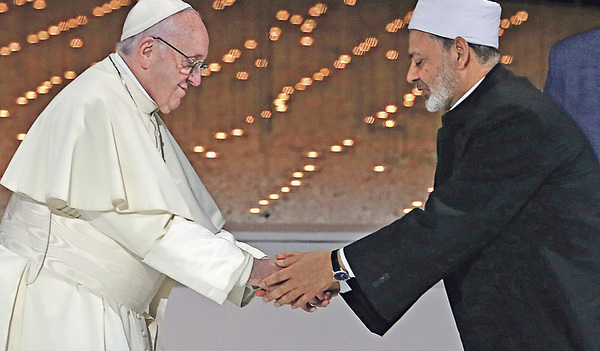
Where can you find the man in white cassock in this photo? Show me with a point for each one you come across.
(106, 208)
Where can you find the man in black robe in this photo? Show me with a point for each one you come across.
(513, 225)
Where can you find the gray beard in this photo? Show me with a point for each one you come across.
(441, 90)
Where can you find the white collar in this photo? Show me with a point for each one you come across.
(123, 65)
(466, 94)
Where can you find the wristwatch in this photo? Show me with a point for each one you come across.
(338, 273)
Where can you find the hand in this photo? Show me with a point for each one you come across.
(306, 278)
(261, 269)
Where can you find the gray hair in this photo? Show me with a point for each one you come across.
(486, 55)
(165, 28)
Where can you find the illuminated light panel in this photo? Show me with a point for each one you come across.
(372, 42)
(249, 119)
(338, 64)
(106, 8)
(409, 97)
(115, 4)
(211, 154)
(514, 20)
(391, 28)
(274, 196)
(389, 123)
(22, 100)
(220, 135)
(430, 189)
(306, 41)
(21, 136)
(237, 132)
(43, 35)
(364, 47)
(218, 5)
(261, 63)
(398, 23)
(228, 2)
(98, 12)
(522, 16)
(285, 189)
(250, 44)
(282, 15)
(335, 148)
(369, 119)
(242, 75)
(507, 59)
(64, 26)
(54, 30)
(379, 168)
(312, 154)
(382, 114)
(345, 59)
(348, 142)
(83, 20)
(325, 71)
(310, 168)
(407, 210)
(298, 175)
(505, 23)
(288, 90)
(228, 58)
(318, 76)
(198, 149)
(408, 103)
(278, 102)
(296, 19)
(417, 203)
(306, 28)
(254, 210)
(33, 39)
(19, 2)
(296, 182)
(76, 43)
(235, 53)
(31, 95)
(4, 51)
(39, 4)
(14, 47)
(73, 23)
(263, 202)
(358, 51)
(300, 87)
(391, 108)
(408, 17)
(417, 92)
(55, 80)
(266, 114)
(350, 2)
(4, 113)
(275, 31)
(281, 108)
(283, 96)
(501, 32)
(392, 55)
(306, 81)
(205, 73)
(214, 67)
(70, 75)
(3, 7)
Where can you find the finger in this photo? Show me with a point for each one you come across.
(288, 261)
(288, 298)
(302, 301)
(274, 279)
(260, 293)
(286, 255)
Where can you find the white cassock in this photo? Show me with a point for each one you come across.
(99, 219)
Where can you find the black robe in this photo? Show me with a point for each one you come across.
(513, 228)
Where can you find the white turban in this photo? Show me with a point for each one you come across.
(477, 21)
(147, 13)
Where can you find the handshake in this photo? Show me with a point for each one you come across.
(302, 280)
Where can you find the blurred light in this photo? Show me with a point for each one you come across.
(407, 210)
(21, 100)
(237, 132)
(379, 169)
(228, 58)
(298, 175)
(4, 51)
(283, 96)
(389, 123)
(55, 80)
(14, 47)
(372, 42)
(285, 189)
(299, 87)
(310, 168)
(98, 12)
(392, 55)
(390, 27)
(336, 148)
(218, 5)
(54, 30)
(205, 73)
(198, 149)
(250, 44)
(228, 2)
(73, 23)
(430, 189)
(31, 95)
(3, 7)
(369, 119)
(76, 43)
(266, 114)
(350, 2)
(275, 31)
(281, 108)
(348, 142)
(282, 15)
(398, 23)
(382, 114)
(43, 35)
(21, 136)
(358, 51)
(83, 20)
(70, 75)
(505, 23)
(249, 119)
(39, 4)
(295, 182)
(19, 2)
(115, 4)
(220, 135)
(263, 202)
(507, 59)
(364, 47)
(33, 39)
(288, 90)
(409, 97)
(325, 71)
(306, 81)
(64, 26)
(391, 108)
(211, 154)
(345, 59)
(501, 32)
(274, 196)
(242, 75)
(417, 92)
(408, 103)
(106, 8)
(235, 53)
(214, 67)
(417, 203)
(254, 210)
(306, 41)
(312, 154)
(296, 19)
(42, 90)
(318, 76)
(4, 113)
(306, 28)
(261, 63)
(408, 17)
(514, 20)
(338, 64)
(522, 16)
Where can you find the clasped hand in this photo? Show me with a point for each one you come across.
(304, 281)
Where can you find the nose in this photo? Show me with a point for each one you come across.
(412, 75)
(195, 78)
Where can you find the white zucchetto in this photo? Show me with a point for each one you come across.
(147, 13)
(477, 21)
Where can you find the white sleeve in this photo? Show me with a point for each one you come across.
(214, 265)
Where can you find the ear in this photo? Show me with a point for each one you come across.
(462, 53)
(144, 51)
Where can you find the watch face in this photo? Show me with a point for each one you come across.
(341, 275)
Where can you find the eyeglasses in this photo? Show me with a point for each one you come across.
(198, 66)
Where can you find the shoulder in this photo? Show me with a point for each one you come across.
(572, 48)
